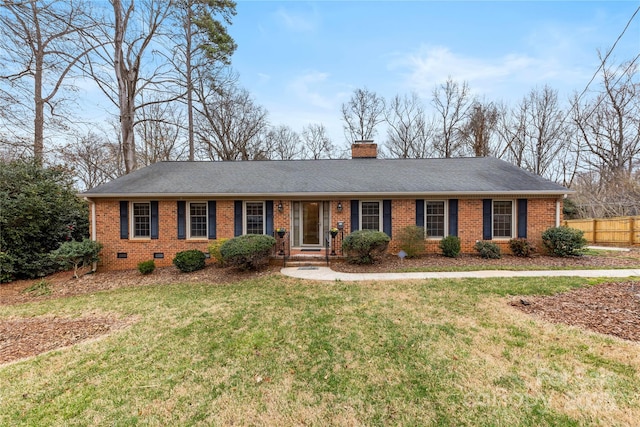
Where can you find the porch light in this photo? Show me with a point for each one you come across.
(339, 206)
(280, 206)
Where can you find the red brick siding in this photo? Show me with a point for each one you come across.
(541, 215)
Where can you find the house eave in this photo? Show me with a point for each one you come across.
(331, 195)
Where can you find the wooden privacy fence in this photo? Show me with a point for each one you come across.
(623, 231)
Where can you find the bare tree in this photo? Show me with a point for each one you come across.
(479, 128)
(408, 132)
(160, 132)
(535, 136)
(94, 159)
(609, 125)
(317, 145)
(361, 114)
(128, 44)
(283, 143)
(230, 124)
(451, 101)
(41, 48)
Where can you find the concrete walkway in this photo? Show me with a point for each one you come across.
(327, 274)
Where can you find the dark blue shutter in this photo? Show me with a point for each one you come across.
(522, 218)
(269, 218)
(355, 215)
(211, 213)
(386, 217)
(420, 213)
(453, 217)
(154, 219)
(124, 220)
(182, 219)
(486, 219)
(237, 218)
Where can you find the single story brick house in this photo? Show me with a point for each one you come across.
(168, 207)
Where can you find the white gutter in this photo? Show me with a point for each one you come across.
(558, 209)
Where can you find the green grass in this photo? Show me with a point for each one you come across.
(280, 351)
(481, 267)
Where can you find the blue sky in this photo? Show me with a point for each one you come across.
(302, 60)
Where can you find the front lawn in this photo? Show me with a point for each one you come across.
(280, 351)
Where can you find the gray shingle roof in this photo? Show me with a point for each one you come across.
(375, 177)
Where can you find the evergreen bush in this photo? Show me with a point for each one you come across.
(450, 246)
(214, 251)
(247, 252)
(146, 267)
(564, 241)
(188, 261)
(78, 254)
(364, 246)
(488, 250)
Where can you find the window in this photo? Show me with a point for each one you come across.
(141, 219)
(370, 218)
(197, 220)
(435, 218)
(254, 218)
(502, 218)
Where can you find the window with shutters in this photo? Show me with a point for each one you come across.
(435, 218)
(503, 219)
(141, 215)
(254, 221)
(197, 220)
(370, 215)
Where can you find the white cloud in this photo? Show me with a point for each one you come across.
(309, 89)
(295, 21)
(504, 77)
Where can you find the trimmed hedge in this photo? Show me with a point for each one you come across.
(78, 254)
(188, 261)
(450, 246)
(146, 267)
(247, 252)
(564, 241)
(364, 246)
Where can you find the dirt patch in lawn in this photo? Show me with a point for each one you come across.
(612, 308)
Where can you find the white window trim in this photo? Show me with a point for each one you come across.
(513, 219)
(132, 221)
(206, 222)
(446, 220)
(380, 213)
(244, 215)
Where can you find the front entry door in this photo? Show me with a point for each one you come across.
(311, 223)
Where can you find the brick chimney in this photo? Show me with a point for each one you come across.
(364, 149)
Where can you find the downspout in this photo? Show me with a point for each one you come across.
(558, 210)
(93, 237)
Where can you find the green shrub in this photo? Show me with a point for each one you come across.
(7, 270)
(364, 246)
(146, 267)
(214, 251)
(78, 254)
(521, 247)
(563, 241)
(188, 261)
(39, 210)
(488, 250)
(247, 252)
(450, 246)
(411, 239)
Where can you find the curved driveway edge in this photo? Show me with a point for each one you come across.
(327, 274)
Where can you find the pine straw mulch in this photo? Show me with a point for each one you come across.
(611, 308)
